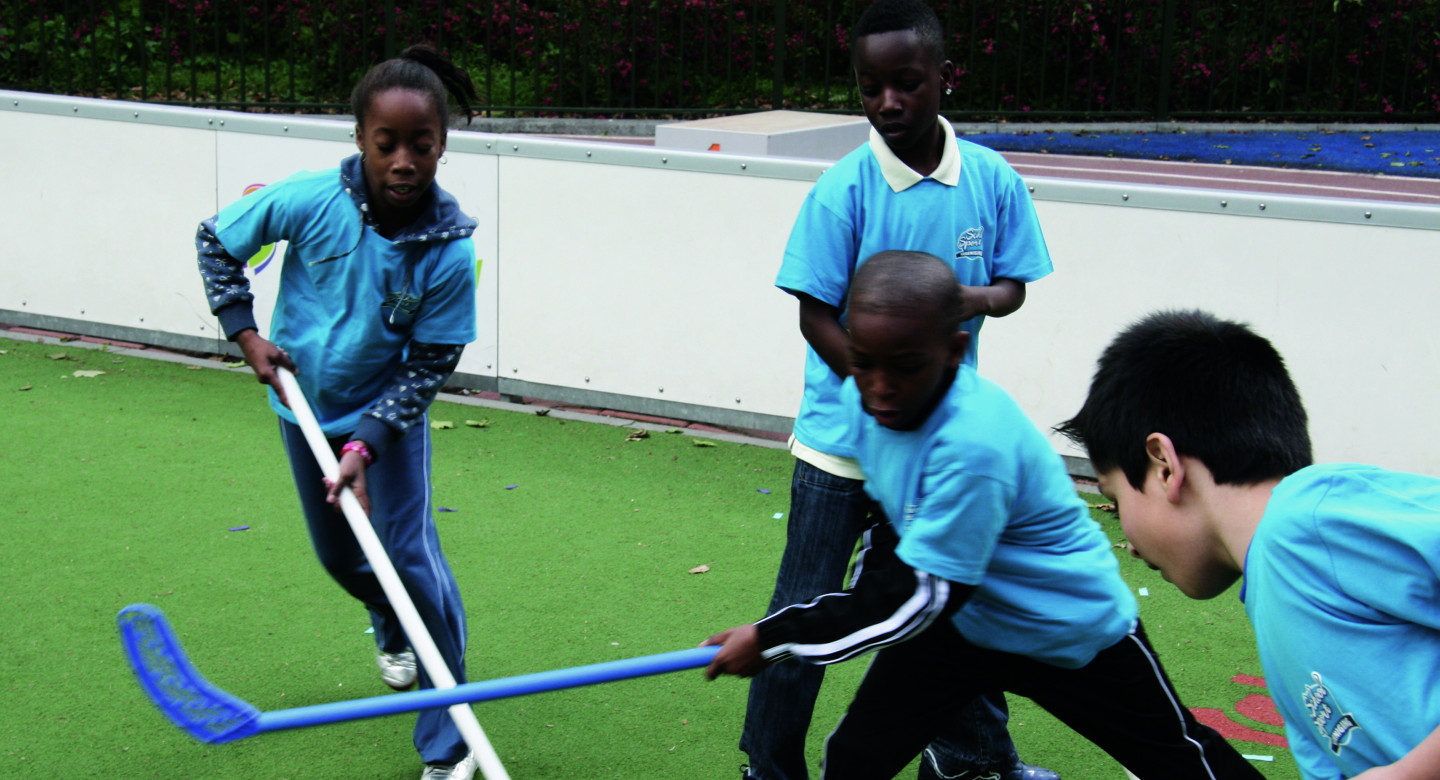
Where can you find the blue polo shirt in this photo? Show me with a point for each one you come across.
(978, 496)
(350, 299)
(1342, 586)
(974, 212)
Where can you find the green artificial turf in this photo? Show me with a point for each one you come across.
(124, 487)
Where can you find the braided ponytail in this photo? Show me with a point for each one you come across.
(422, 69)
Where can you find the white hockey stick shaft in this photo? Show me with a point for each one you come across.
(419, 636)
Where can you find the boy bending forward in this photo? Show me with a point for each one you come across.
(1199, 436)
(983, 570)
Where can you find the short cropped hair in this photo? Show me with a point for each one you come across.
(896, 15)
(1216, 388)
(908, 284)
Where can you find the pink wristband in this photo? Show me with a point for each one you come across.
(357, 446)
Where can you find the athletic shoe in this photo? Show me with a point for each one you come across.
(1022, 771)
(397, 669)
(929, 772)
(461, 771)
(1025, 771)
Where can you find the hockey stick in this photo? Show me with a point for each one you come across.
(211, 715)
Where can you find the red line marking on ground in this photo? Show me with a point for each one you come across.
(1249, 679)
(1260, 709)
(1229, 729)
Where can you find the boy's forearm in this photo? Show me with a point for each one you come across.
(999, 298)
(820, 325)
(888, 602)
(839, 626)
(1421, 763)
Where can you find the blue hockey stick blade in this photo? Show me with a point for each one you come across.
(181, 693)
(211, 715)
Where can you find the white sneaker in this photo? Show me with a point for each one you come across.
(461, 771)
(397, 670)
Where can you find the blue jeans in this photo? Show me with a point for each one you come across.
(400, 511)
(828, 514)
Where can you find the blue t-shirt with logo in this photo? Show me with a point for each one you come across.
(984, 227)
(1342, 586)
(978, 496)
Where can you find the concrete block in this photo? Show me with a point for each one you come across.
(801, 134)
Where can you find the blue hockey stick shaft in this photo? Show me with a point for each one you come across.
(485, 690)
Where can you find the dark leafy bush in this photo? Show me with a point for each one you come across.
(1015, 58)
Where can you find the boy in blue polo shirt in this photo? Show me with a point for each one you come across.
(984, 569)
(913, 186)
(1198, 434)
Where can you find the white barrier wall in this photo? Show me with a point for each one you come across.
(641, 278)
(649, 283)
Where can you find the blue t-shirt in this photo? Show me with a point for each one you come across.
(1342, 585)
(984, 227)
(351, 300)
(978, 496)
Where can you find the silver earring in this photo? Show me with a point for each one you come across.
(443, 161)
(948, 90)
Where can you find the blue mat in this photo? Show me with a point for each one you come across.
(1393, 153)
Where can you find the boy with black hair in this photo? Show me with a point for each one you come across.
(984, 569)
(1199, 437)
(913, 186)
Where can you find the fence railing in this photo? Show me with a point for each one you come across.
(1016, 59)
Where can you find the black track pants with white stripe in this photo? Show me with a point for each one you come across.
(1122, 701)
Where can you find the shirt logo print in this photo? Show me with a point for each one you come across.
(970, 244)
(1335, 726)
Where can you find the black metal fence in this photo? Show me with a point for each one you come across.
(1083, 60)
